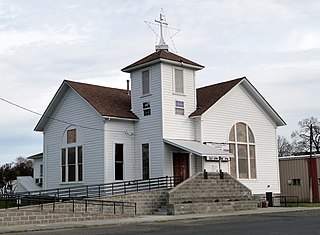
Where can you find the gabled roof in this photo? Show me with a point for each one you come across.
(209, 95)
(36, 156)
(109, 102)
(162, 56)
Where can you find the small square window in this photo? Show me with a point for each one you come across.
(146, 109)
(71, 136)
(179, 107)
(296, 182)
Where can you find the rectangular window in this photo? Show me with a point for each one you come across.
(296, 182)
(80, 164)
(146, 109)
(252, 162)
(71, 136)
(145, 82)
(243, 161)
(71, 164)
(41, 170)
(63, 165)
(145, 161)
(118, 162)
(178, 81)
(179, 107)
(233, 165)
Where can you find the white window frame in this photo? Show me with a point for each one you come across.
(146, 108)
(67, 165)
(66, 146)
(175, 82)
(142, 168)
(179, 109)
(143, 91)
(247, 144)
(121, 162)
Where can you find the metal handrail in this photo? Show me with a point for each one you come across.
(42, 200)
(116, 188)
(286, 199)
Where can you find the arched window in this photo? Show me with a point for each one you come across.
(242, 146)
(71, 156)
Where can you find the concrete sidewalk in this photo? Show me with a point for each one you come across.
(148, 218)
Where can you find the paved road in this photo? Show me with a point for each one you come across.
(302, 223)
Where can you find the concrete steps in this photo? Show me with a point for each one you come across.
(212, 195)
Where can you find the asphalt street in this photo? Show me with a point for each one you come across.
(293, 223)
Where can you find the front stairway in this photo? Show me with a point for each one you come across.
(200, 195)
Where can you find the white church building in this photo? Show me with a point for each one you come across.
(163, 126)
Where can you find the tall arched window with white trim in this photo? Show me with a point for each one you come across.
(242, 146)
(71, 156)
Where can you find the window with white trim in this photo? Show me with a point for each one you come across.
(178, 81)
(179, 107)
(118, 162)
(71, 159)
(242, 146)
(145, 161)
(146, 109)
(145, 82)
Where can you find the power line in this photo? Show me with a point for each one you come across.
(59, 120)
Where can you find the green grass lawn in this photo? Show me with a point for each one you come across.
(302, 204)
(7, 203)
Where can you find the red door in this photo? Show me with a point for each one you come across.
(180, 167)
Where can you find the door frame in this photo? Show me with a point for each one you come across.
(184, 157)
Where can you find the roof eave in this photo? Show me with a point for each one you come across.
(159, 60)
(264, 103)
(47, 113)
(121, 118)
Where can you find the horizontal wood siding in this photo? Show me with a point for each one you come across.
(178, 126)
(148, 130)
(119, 132)
(36, 168)
(74, 109)
(237, 106)
(198, 129)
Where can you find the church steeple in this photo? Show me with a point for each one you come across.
(162, 45)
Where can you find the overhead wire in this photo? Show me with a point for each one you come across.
(59, 120)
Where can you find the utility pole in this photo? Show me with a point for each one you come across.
(310, 166)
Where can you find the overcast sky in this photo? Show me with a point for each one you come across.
(275, 44)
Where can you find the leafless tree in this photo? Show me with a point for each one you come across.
(284, 146)
(301, 137)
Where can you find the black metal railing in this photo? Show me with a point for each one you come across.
(24, 201)
(100, 190)
(288, 200)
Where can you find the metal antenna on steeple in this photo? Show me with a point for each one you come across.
(162, 45)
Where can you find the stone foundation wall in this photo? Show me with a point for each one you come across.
(148, 202)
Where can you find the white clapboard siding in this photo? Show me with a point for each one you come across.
(178, 126)
(74, 109)
(235, 107)
(148, 130)
(36, 168)
(119, 132)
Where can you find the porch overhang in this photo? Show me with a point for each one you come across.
(196, 148)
